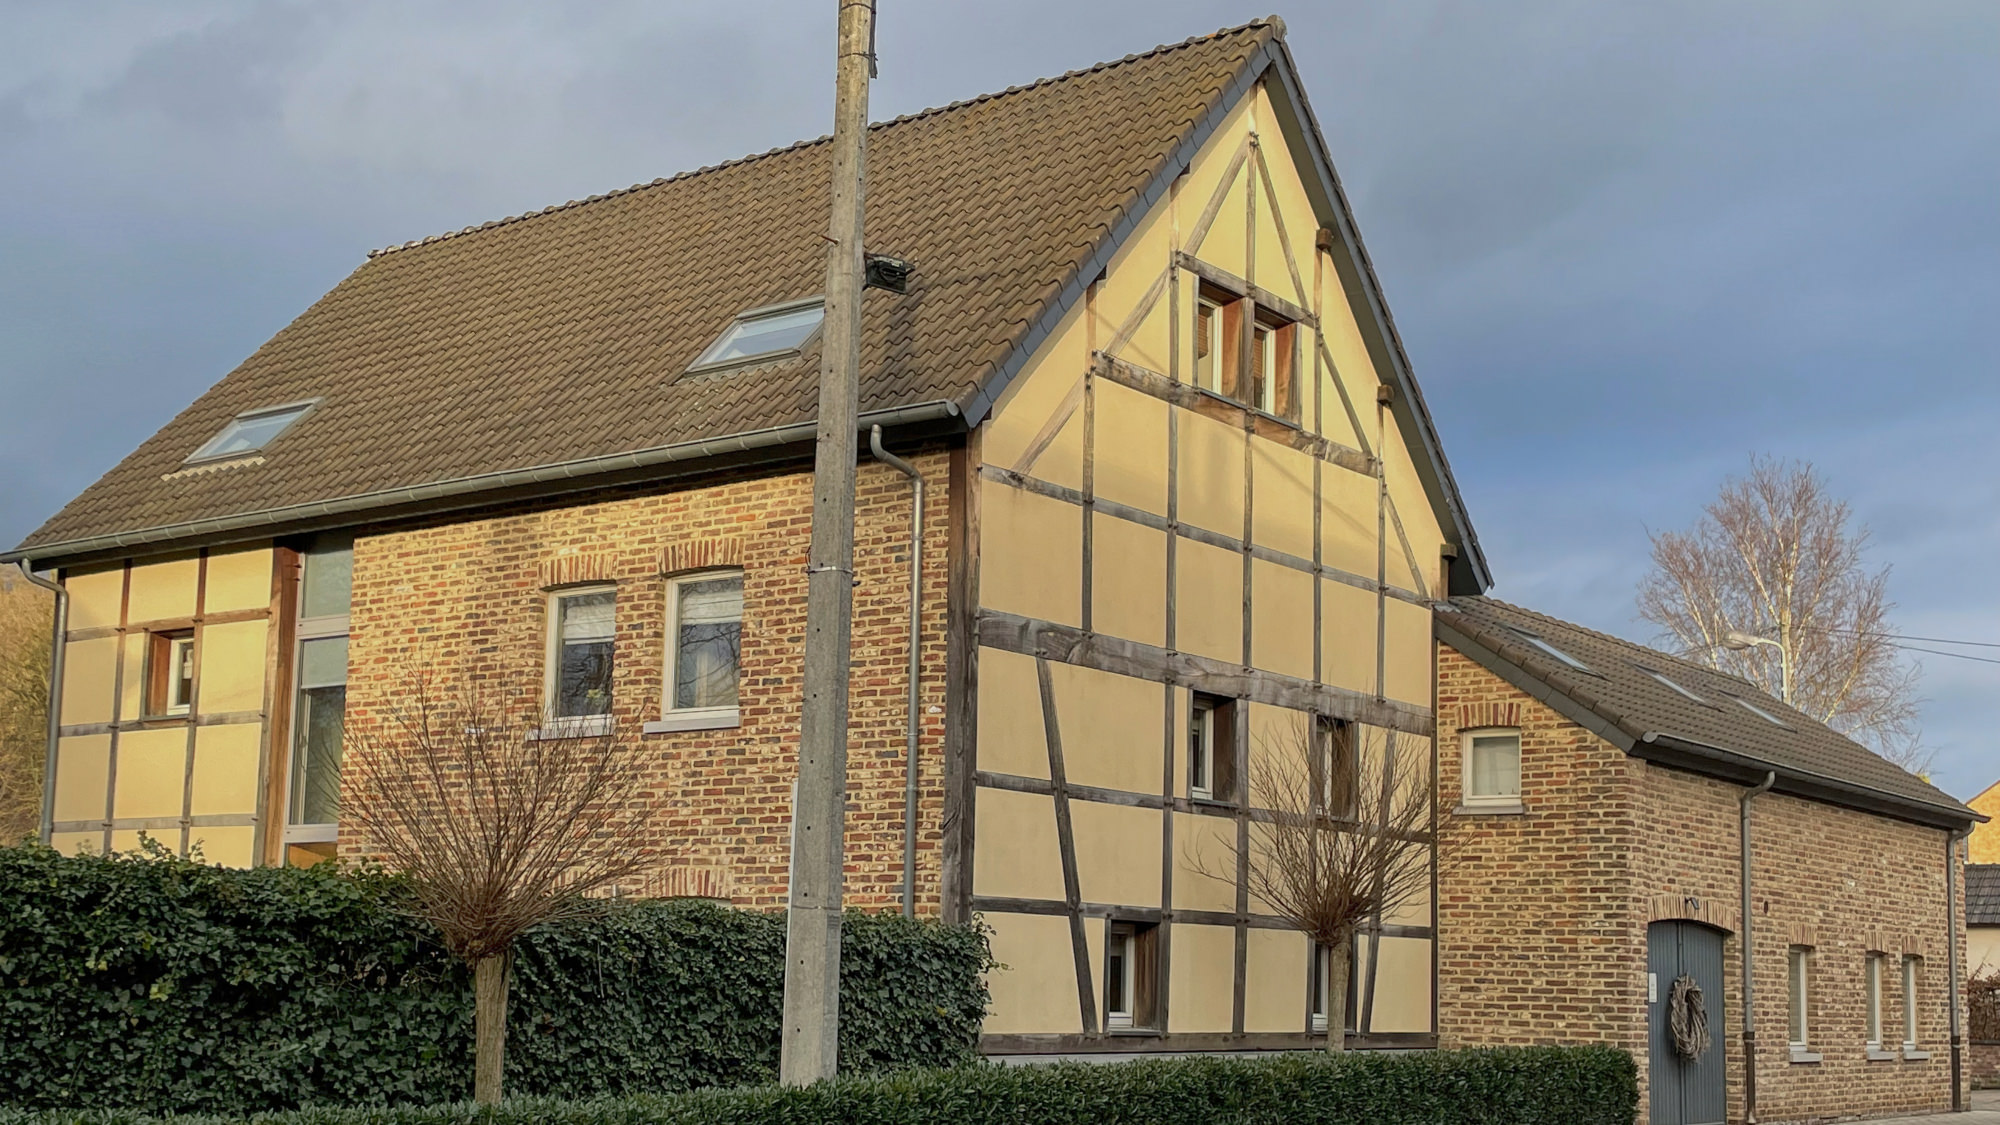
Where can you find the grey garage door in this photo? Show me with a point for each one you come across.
(1684, 1091)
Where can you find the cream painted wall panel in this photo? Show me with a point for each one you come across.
(1131, 460)
(1202, 979)
(163, 590)
(1403, 985)
(1036, 991)
(1416, 911)
(1179, 754)
(1117, 853)
(77, 843)
(152, 772)
(1139, 264)
(1334, 421)
(128, 840)
(1011, 738)
(1227, 242)
(225, 769)
(1017, 856)
(1272, 271)
(132, 685)
(1033, 398)
(1278, 737)
(94, 597)
(83, 770)
(1281, 510)
(1208, 601)
(1128, 584)
(1347, 521)
(1030, 555)
(1347, 642)
(1274, 979)
(238, 580)
(1203, 843)
(232, 846)
(89, 673)
(1110, 728)
(1409, 652)
(1285, 183)
(1210, 474)
(232, 667)
(1281, 619)
(1093, 953)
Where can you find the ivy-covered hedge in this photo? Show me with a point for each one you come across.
(169, 986)
(1509, 1086)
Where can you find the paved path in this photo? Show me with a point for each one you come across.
(1984, 1109)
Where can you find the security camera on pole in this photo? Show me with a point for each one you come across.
(811, 1034)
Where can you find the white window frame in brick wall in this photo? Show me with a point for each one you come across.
(1473, 797)
(1872, 981)
(677, 712)
(1912, 977)
(319, 697)
(555, 723)
(1798, 1003)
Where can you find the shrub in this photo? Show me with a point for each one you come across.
(1506, 1086)
(166, 985)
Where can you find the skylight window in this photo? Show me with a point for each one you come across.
(1683, 691)
(760, 333)
(1552, 650)
(1761, 713)
(251, 430)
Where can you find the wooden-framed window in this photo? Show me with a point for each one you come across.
(704, 649)
(1339, 767)
(1273, 363)
(1211, 748)
(1490, 775)
(582, 632)
(1320, 986)
(1131, 972)
(170, 672)
(1209, 344)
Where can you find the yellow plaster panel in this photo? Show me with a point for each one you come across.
(1333, 419)
(1417, 910)
(1208, 601)
(77, 843)
(1274, 981)
(1128, 580)
(238, 580)
(1300, 220)
(83, 769)
(1017, 856)
(1030, 555)
(1278, 737)
(152, 772)
(1117, 853)
(95, 597)
(132, 686)
(1347, 521)
(1347, 636)
(1403, 985)
(1209, 471)
(1130, 463)
(1034, 990)
(163, 590)
(1409, 653)
(128, 840)
(1093, 953)
(1182, 699)
(225, 769)
(1204, 844)
(1228, 238)
(90, 670)
(1110, 728)
(232, 667)
(233, 846)
(1203, 979)
(1011, 738)
(1281, 511)
(1281, 619)
(1037, 395)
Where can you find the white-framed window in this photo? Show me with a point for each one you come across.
(1322, 987)
(1491, 771)
(582, 635)
(1208, 344)
(170, 673)
(319, 707)
(1910, 974)
(251, 430)
(1797, 1003)
(1872, 980)
(764, 333)
(1128, 975)
(704, 651)
(1760, 712)
(1211, 748)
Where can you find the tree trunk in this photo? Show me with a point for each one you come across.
(1336, 993)
(489, 1021)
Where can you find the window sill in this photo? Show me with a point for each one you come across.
(1802, 1057)
(1877, 1054)
(1133, 1032)
(1211, 802)
(1497, 808)
(580, 726)
(1911, 1054)
(312, 833)
(712, 718)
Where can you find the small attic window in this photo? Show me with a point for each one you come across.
(1678, 688)
(1761, 713)
(774, 330)
(1552, 650)
(252, 430)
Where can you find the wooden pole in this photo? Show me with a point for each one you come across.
(809, 1043)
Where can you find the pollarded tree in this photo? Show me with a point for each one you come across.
(1774, 556)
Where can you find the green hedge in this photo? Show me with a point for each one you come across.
(170, 986)
(1509, 1086)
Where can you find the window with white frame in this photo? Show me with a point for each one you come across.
(1491, 773)
(771, 332)
(1798, 964)
(704, 646)
(319, 709)
(1129, 972)
(1910, 968)
(169, 673)
(1872, 978)
(582, 632)
(1211, 748)
(1208, 345)
(1322, 987)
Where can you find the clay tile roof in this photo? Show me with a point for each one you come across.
(561, 335)
(1618, 694)
(1982, 894)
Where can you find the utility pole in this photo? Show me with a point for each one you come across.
(809, 1046)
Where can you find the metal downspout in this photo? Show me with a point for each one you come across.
(58, 649)
(1749, 988)
(916, 664)
(1951, 844)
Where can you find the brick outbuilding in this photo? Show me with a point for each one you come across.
(1597, 878)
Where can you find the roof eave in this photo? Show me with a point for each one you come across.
(1721, 762)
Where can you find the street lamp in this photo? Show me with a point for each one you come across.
(1739, 642)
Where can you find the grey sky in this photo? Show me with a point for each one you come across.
(1628, 244)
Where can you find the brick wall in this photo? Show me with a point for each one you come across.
(1543, 914)
(469, 600)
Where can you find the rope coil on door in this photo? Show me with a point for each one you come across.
(1687, 1019)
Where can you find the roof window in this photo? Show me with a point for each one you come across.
(1678, 688)
(1552, 650)
(252, 430)
(1761, 713)
(774, 330)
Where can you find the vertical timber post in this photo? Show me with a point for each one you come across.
(809, 1042)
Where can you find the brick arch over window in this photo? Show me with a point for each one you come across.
(699, 554)
(1475, 716)
(1708, 911)
(573, 570)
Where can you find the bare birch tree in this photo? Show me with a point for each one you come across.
(501, 820)
(1775, 556)
(1341, 834)
(25, 611)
